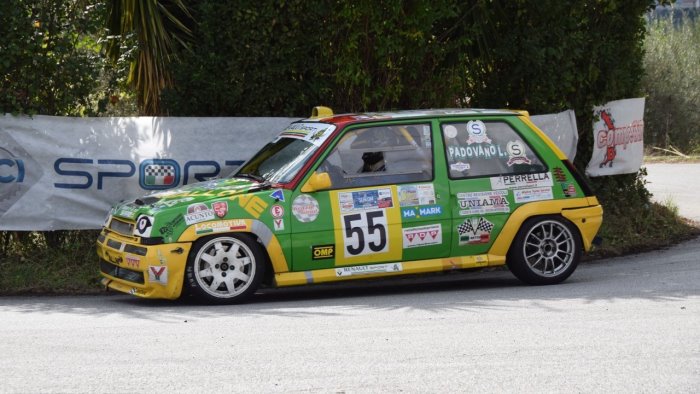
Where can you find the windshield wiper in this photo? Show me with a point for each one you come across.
(254, 177)
(263, 183)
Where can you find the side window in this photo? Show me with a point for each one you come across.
(477, 148)
(381, 155)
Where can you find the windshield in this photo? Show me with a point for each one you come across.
(280, 160)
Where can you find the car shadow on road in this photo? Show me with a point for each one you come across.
(469, 292)
(656, 276)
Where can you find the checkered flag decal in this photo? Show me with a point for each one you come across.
(159, 175)
(482, 226)
(465, 227)
(160, 170)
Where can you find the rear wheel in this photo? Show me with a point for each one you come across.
(545, 251)
(225, 269)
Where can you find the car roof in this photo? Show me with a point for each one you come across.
(409, 114)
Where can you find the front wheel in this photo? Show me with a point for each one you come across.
(546, 251)
(225, 269)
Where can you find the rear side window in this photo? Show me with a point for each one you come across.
(477, 149)
(381, 155)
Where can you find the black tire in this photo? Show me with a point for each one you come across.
(225, 269)
(546, 250)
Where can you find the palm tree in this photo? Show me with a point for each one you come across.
(158, 26)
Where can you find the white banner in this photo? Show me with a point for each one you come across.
(59, 173)
(560, 128)
(64, 173)
(618, 138)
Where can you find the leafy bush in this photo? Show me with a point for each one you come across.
(47, 66)
(672, 82)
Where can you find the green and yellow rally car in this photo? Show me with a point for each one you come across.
(340, 197)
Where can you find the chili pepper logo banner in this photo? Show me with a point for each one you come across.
(618, 134)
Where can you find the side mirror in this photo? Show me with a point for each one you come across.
(317, 181)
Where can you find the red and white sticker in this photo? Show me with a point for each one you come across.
(220, 208)
(158, 274)
(422, 236)
(277, 211)
(279, 224)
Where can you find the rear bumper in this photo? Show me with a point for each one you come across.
(149, 271)
(588, 220)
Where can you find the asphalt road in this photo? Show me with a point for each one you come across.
(629, 324)
(617, 325)
(678, 184)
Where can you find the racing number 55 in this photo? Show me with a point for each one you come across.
(365, 233)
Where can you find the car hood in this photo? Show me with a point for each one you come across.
(185, 196)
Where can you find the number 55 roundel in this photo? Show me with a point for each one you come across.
(367, 226)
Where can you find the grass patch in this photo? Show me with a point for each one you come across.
(649, 159)
(31, 263)
(628, 232)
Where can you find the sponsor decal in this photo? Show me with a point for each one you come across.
(132, 261)
(135, 291)
(220, 208)
(521, 181)
(158, 274)
(279, 224)
(416, 194)
(315, 133)
(482, 151)
(478, 203)
(278, 195)
(516, 153)
(569, 189)
(477, 133)
(192, 208)
(168, 228)
(172, 203)
(277, 211)
(221, 226)
(305, 208)
(252, 204)
(459, 166)
(158, 174)
(475, 231)
(368, 269)
(365, 232)
(144, 225)
(199, 216)
(534, 194)
(365, 200)
(422, 236)
(126, 212)
(417, 212)
(559, 174)
(161, 258)
(321, 252)
(450, 131)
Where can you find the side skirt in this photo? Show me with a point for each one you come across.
(388, 269)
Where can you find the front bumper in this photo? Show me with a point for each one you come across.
(149, 271)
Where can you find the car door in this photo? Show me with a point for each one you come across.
(382, 206)
(492, 170)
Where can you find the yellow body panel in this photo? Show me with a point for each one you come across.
(173, 256)
(408, 267)
(587, 218)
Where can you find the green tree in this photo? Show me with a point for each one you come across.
(158, 28)
(49, 58)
